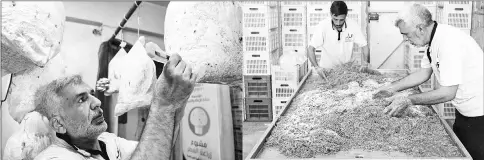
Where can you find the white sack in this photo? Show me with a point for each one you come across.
(24, 85)
(207, 35)
(34, 136)
(31, 34)
(138, 80)
(115, 71)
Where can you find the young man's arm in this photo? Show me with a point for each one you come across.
(360, 41)
(312, 56)
(316, 41)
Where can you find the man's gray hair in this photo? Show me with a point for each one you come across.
(48, 99)
(414, 15)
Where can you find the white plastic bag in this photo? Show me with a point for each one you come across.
(20, 98)
(115, 71)
(208, 36)
(34, 136)
(31, 34)
(137, 81)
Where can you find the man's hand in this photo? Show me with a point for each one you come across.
(107, 86)
(321, 72)
(366, 69)
(397, 106)
(102, 84)
(175, 84)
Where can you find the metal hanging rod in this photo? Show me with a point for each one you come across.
(125, 18)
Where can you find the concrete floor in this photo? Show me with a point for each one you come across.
(252, 131)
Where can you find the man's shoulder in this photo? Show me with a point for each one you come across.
(448, 37)
(56, 152)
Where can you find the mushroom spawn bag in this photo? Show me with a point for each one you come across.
(138, 79)
(33, 137)
(32, 34)
(115, 69)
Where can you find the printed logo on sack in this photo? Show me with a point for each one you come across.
(199, 121)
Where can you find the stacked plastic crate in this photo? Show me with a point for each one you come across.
(413, 59)
(455, 13)
(317, 11)
(285, 79)
(261, 46)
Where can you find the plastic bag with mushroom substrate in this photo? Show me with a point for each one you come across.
(138, 79)
(115, 71)
(206, 35)
(31, 34)
(24, 85)
(34, 136)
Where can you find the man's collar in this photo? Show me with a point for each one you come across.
(342, 28)
(65, 141)
(432, 33)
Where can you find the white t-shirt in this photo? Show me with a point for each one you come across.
(336, 51)
(458, 60)
(117, 149)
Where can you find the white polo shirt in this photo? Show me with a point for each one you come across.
(336, 51)
(117, 149)
(458, 60)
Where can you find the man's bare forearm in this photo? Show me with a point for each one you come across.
(411, 80)
(312, 56)
(441, 95)
(157, 136)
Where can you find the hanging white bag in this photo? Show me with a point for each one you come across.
(115, 70)
(138, 78)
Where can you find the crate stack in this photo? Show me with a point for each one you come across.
(455, 13)
(317, 11)
(412, 61)
(285, 79)
(236, 101)
(261, 49)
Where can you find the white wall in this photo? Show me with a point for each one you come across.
(80, 46)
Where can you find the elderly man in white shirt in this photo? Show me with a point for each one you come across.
(457, 62)
(76, 117)
(337, 36)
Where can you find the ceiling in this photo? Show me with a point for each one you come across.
(160, 3)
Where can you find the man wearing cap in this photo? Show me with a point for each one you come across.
(456, 60)
(336, 36)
